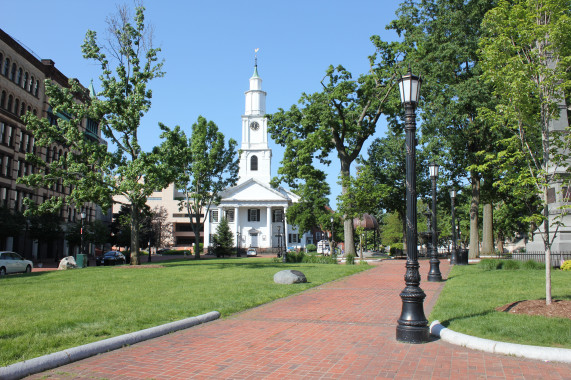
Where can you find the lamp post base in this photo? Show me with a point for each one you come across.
(434, 275)
(413, 334)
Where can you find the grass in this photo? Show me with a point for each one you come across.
(468, 301)
(45, 312)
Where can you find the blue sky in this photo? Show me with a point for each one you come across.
(208, 48)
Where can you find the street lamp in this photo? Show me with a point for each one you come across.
(238, 244)
(412, 325)
(434, 274)
(332, 237)
(454, 257)
(82, 248)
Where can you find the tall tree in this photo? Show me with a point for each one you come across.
(223, 239)
(526, 55)
(203, 166)
(440, 37)
(338, 119)
(91, 172)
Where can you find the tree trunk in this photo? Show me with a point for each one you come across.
(487, 231)
(474, 205)
(500, 243)
(348, 231)
(547, 247)
(134, 234)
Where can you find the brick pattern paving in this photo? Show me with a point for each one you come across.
(341, 330)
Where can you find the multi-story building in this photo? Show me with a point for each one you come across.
(22, 76)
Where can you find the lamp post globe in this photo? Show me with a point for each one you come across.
(412, 325)
(434, 274)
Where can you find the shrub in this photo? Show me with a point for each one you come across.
(294, 257)
(566, 265)
(489, 264)
(350, 260)
(313, 259)
(531, 264)
(511, 264)
(363, 262)
(311, 248)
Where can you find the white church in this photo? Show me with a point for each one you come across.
(255, 211)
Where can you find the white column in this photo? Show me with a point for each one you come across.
(269, 227)
(237, 224)
(285, 229)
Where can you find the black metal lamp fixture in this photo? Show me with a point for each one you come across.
(412, 324)
(454, 257)
(434, 274)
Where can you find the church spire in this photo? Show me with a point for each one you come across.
(255, 75)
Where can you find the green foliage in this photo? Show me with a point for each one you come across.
(566, 266)
(511, 265)
(532, 265)
(338, 119)
(202, 165)
(294, 257)
(317, 259)
(350, 259)
(489, 264)
(311, 248)
(223, 239)
(11, 222)
(91, 172)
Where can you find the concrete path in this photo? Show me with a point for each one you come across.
(341, 330)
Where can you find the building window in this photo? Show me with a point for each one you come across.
(277, 215)
(31, 84)
(9, 105)
(230, 216)
(294, 238)
(36, 88)
(253, 215)
(214, 216)
(3, 100)
(16, 106)
(92, 126)
(254, 163)
(6, 67)
(13, 72)
(19, 77)
(25, 84)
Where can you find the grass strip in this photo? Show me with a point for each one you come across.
(471, 295)
(45, 312)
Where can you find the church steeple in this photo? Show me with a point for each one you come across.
(255, 160)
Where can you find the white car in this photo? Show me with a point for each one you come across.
(252, 252)
(11, 262)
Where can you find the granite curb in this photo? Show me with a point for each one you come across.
(57, 359)
(551, 354)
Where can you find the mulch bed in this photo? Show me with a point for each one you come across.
(557, 309)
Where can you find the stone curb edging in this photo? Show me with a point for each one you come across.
(57, 359)
(520, 350)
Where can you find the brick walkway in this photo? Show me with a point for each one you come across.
(345, 329)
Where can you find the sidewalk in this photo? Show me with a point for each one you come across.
(345, 329)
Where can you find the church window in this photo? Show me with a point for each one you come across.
(230, 216)
(253, 215)
(254, 163)
(277, 215)
(214, 216)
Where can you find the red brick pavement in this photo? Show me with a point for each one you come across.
(341, 330)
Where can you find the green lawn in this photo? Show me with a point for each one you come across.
(469, 298)
(45, 312)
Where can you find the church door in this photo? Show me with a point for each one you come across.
(254, 239)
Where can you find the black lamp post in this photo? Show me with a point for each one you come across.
(332, 237)
(82, 250)
(412, 325)
(238, 244)
(454, 257)
(434, 275)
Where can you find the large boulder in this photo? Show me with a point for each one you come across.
(67, 262)
(289, 277)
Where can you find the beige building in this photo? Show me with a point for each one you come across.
(22, 77)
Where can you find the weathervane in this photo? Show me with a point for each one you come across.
(256, 56)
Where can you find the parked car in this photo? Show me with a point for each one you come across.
(110, 258)
(251, 252)
(11, 262)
